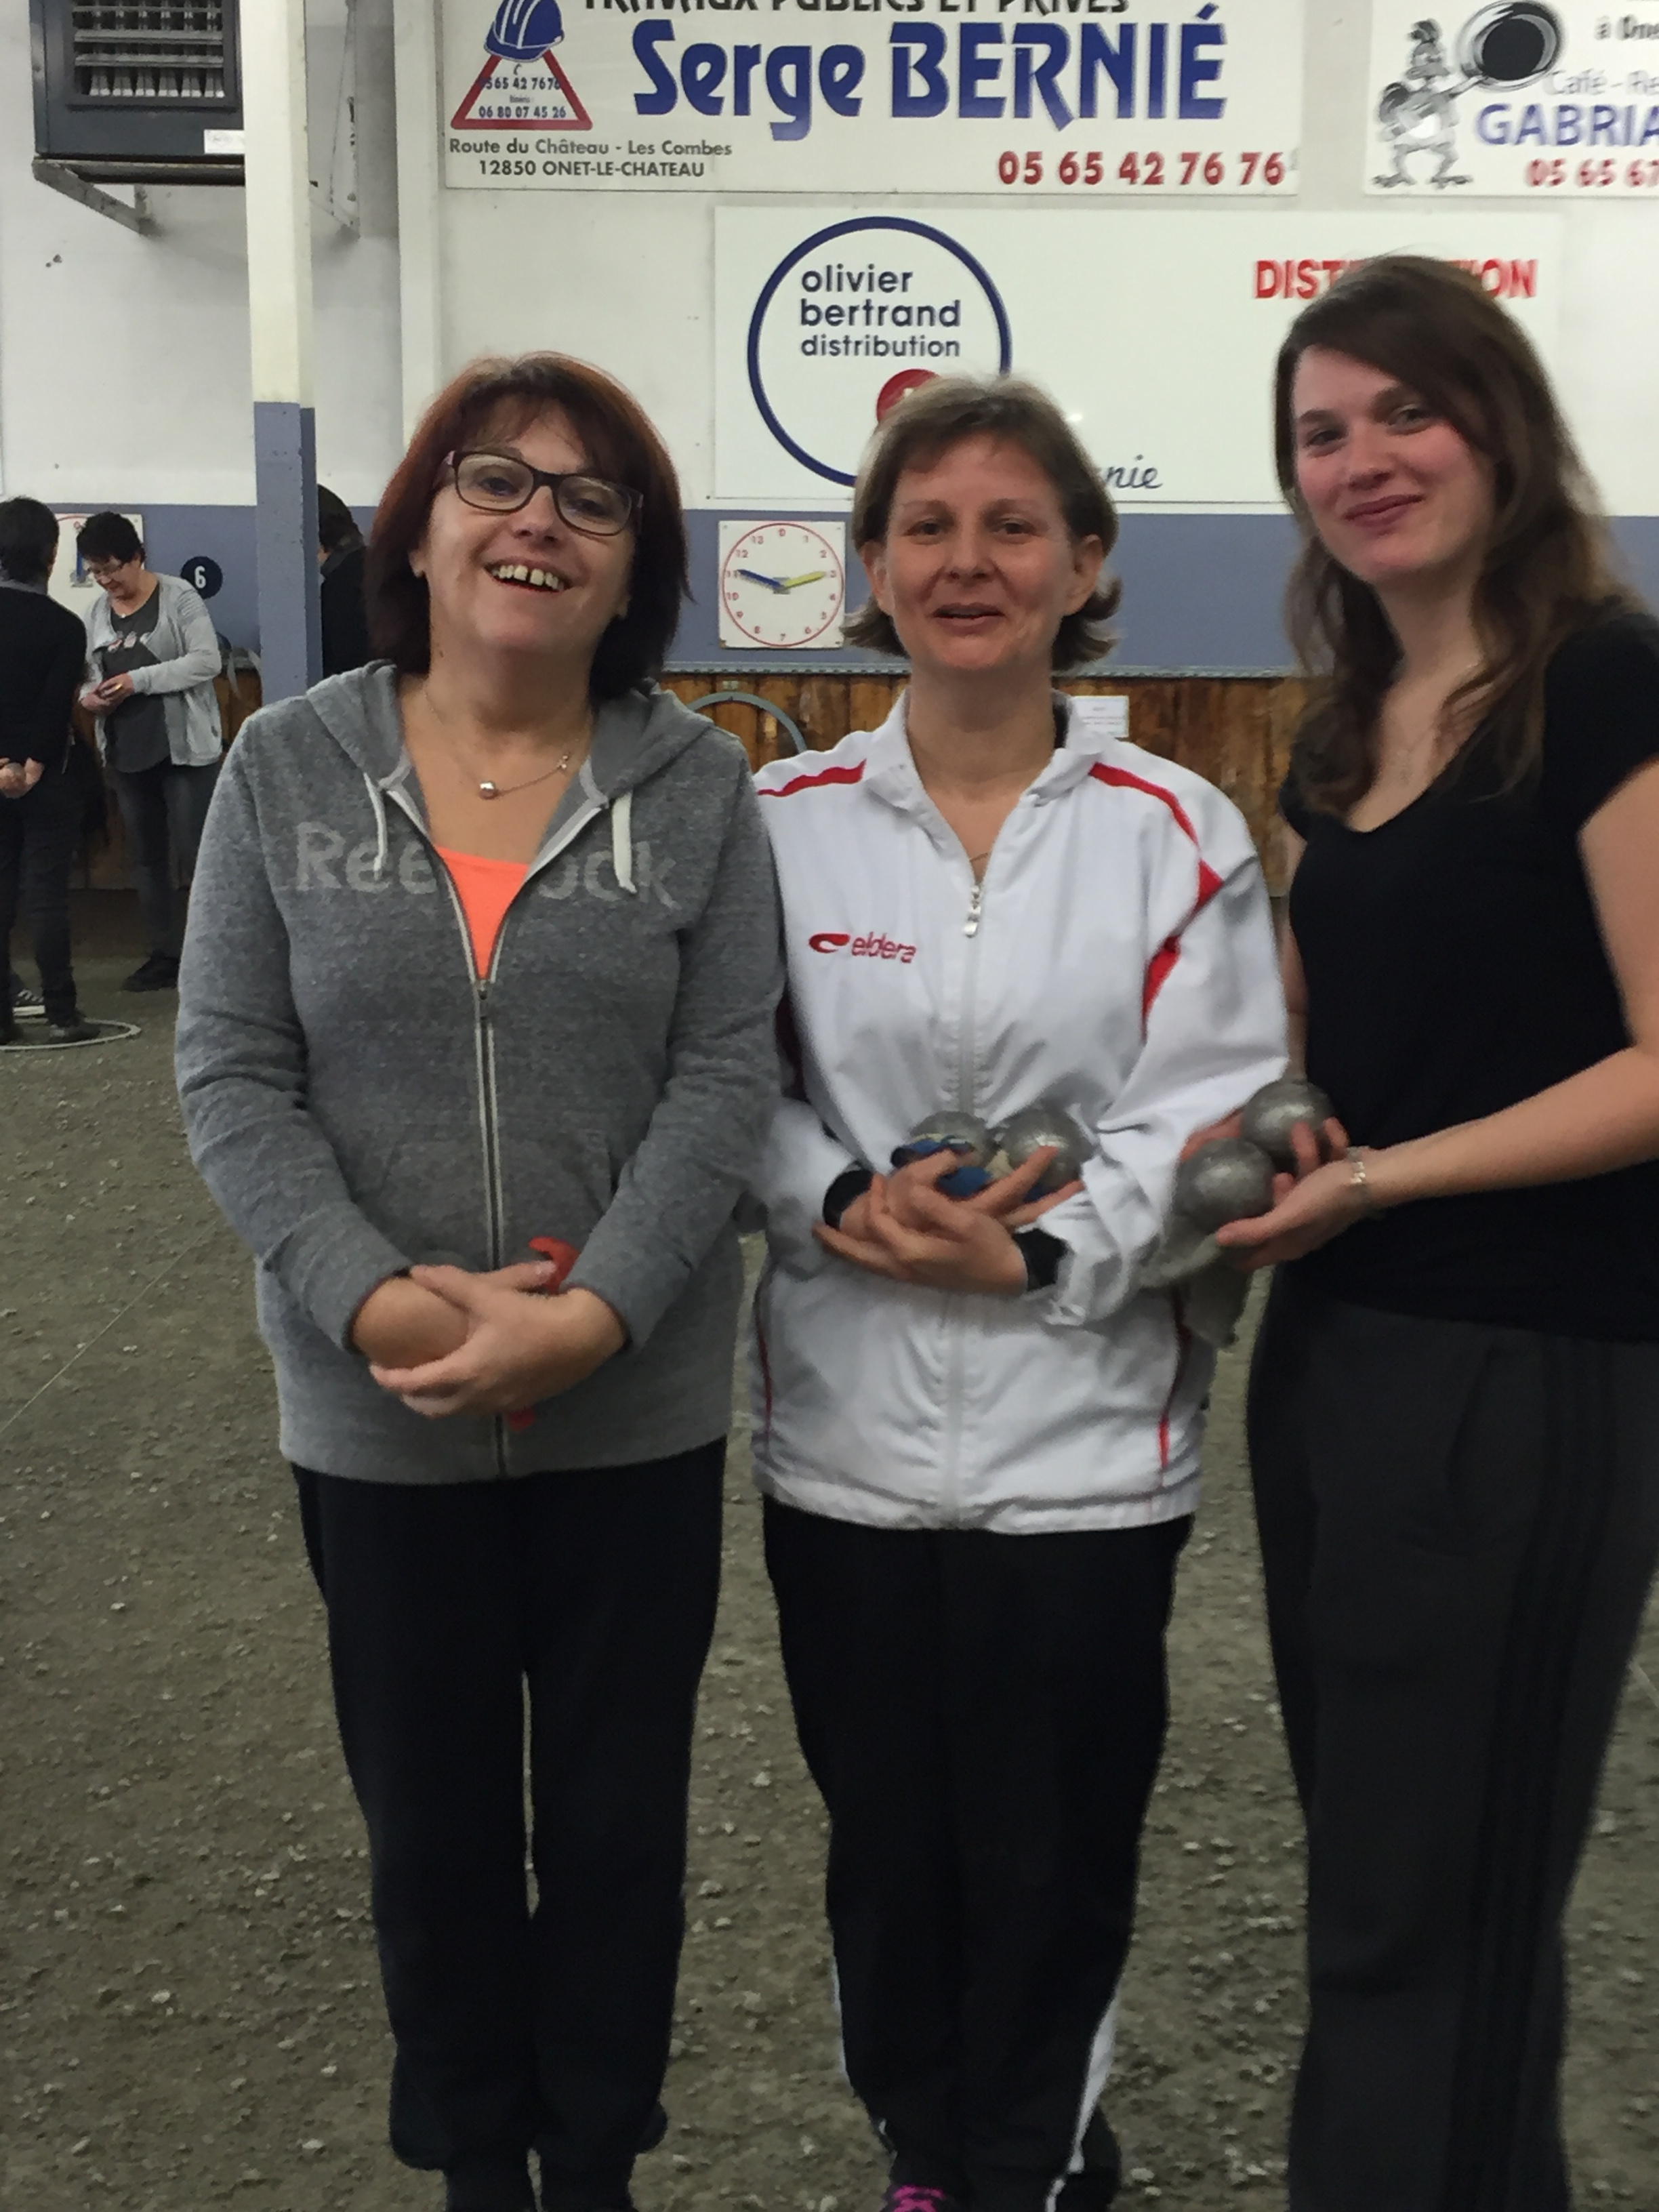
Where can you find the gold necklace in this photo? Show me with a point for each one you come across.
(487, 790)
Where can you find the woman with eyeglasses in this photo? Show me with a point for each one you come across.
(479, 980)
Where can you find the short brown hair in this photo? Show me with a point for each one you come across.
(1547, 570)
(619, 442)
(924, 424)
(108, 536)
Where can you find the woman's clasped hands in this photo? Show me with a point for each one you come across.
(905, 1228)
(447, 1342)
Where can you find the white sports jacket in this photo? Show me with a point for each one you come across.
(1118, 960)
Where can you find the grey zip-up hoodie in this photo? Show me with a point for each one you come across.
(358, 1100)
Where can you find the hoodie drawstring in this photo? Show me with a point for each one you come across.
(621, 846)
(382, 841)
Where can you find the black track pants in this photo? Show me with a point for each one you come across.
(984, 1715)
(596, 1591)
(39, 834)
(1459, 1526)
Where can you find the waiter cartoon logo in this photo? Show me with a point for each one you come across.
(1503, 46)
(521, 87)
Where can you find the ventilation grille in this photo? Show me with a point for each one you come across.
(152, 51)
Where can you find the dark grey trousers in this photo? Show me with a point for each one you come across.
(1459, 1528)
(163, 812)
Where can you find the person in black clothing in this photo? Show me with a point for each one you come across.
(1455, 1399)
(342, 555)
(42, 651)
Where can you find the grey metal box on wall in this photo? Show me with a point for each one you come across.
(138, 91)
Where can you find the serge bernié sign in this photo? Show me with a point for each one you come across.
(1079, 98)
(1536, 99)
(1156, 333)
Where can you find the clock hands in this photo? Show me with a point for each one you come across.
(782, 584)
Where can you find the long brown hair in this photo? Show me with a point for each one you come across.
(940, 414)
(1547, 570)
(494, 398)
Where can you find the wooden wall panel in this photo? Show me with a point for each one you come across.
(1234, 730)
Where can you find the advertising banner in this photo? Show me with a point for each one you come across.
(1157, 335)
(1530, 99)
(1081, 98)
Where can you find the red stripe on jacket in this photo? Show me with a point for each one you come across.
(1163, 961)
(812, 782)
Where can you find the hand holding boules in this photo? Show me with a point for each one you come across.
(1274, 1114)
(1232, 1192)
(904, 1228)
(1043, 1128)
(957, 1131)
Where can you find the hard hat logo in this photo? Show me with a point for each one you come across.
(524, 30)
(521, 87)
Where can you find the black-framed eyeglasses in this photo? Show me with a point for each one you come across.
(500, 483)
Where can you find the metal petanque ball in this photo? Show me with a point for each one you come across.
(1274, 1111)
(964, 1133)
(1229, 1180)
(1031, 1129)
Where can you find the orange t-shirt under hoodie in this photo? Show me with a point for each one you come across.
(486, 890)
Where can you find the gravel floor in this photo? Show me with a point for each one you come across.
(188, 2014)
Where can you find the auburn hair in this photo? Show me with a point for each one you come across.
(498, 398)
(1546, 573)
(943, 412)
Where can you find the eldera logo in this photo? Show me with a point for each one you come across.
(861, 948)
(521, 87)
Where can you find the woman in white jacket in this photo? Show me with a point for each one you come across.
(976, 1434)
(152, 654)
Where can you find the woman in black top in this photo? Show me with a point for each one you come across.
(1454, 1405)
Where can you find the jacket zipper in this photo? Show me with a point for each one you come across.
(483, 1039)
(950, 1470)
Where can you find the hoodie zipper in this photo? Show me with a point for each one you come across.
(483, 1041)
(950, 1460)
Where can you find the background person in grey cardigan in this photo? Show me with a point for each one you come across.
(483, 950)
(151, 655)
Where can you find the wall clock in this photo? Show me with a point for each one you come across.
(782, 584)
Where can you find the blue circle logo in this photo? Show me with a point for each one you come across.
(855, 327)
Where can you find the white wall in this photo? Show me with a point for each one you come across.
(628, 280)
(124, 372)
(123, 361)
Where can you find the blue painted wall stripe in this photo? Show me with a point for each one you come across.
(1200, 592)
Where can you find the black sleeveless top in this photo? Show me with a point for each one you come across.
(1455, 967)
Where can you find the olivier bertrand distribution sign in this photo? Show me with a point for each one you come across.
(1079, 98)
(1157, 336)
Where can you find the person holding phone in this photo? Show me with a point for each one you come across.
(152, 658)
